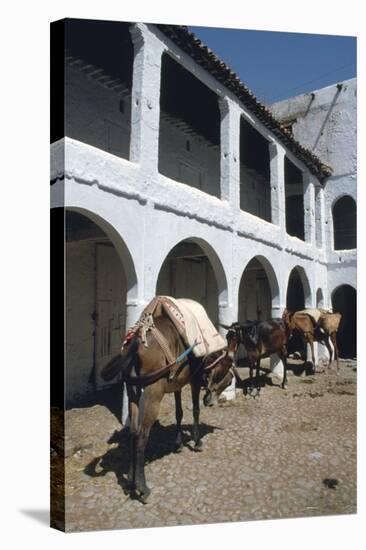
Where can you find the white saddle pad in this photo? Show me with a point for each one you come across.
(198, 327)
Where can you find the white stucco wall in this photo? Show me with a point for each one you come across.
(325, 121)
(93, 115)
(146, 214)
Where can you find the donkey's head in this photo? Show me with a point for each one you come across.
(217, 379)
(232, 338)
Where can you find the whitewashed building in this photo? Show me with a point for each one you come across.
(325, 122)
(175, 180)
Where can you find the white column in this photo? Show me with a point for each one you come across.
(230, 152)
(277, 178)
(309, 208)
(227, 315)
(320, 216)
(145, 102)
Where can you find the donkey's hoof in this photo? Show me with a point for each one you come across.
(144, 495)
(198, 446)
(178, 448)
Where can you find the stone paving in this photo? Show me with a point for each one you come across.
(266, 457)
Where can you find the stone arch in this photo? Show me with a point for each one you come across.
(298, 295)
(118, 243)
(344, 222)
(259, 293)
(344, 301)
(100, 281)
(200, 274)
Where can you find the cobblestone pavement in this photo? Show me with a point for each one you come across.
(268, 457)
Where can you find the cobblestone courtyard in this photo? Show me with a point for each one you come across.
(268, 457)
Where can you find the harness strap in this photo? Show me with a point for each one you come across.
(163, 343)
(152, 377)
(212, 365)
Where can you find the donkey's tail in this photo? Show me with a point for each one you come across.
(120, 362)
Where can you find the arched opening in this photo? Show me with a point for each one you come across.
(344, 301)
(344, 223)
(298, 290)
(192, 270)
(297, 298)
(319, 298)
(257, 291)
(99, 275)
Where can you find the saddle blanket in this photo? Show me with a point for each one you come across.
(194, 325)
(315, 313)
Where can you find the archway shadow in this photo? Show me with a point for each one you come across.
(161, 443)
(110, 397)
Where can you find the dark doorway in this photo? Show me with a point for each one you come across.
(344, 300)
(295, 299)
(344, 224)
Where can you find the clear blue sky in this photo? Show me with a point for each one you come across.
(277, 65)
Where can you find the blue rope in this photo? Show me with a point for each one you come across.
(185, 353)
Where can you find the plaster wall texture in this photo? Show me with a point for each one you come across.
(93, 114)
(255, 193)
(146, 213)
(199, 167)
(325, 121)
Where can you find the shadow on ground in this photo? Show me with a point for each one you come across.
(161, 443)
(111, 398)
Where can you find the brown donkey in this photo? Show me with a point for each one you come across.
(144, 369)
(260, 339)
(315, 325)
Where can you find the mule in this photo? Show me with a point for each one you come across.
(144, 369)
(260, 339)
(315, 325)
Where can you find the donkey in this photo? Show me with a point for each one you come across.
(144, 369)
(260, 339)
(315, 325)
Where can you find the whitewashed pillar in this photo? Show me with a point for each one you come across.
(227, 314)
(277, 179)
(230, 152)
(309, 208)
(145, 102)
(320, 216)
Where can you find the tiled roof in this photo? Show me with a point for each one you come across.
(205, 57)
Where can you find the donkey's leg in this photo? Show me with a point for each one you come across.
(133, 405)
(178, 416)
(310, 340)
(251, 367)
(153, 397)
(195, 387)
(257, 368)
(329, 348)
(283, 357)
(333, 337)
